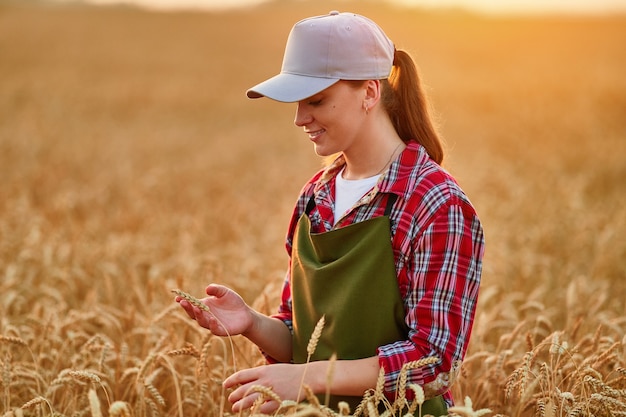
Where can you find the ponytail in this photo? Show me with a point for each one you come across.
(405, 102)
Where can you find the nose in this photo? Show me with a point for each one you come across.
(303, 116)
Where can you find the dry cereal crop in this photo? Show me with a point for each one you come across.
(133, 164)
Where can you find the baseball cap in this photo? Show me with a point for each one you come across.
(322, 50)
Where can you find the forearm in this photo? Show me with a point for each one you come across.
(347, 377)
(271, 335)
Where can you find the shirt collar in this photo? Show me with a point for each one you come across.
(395, 179)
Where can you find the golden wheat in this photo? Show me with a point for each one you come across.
(131, 164)
(94, 404)
(35, 401)
(192, 300)
(315, 336)
(266, 393)
(198, 303)
(120, 409)
(189, 350)
(330, 375)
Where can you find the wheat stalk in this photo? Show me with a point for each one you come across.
(198, 303)
(310, 349)
(7, 377)
(173, 373)
(401, 383)
(379, 390)
(419, 399)
(330, 374)
(94, 403)
(310, 396)
(371, 409)
(360, 409)
(120, 409)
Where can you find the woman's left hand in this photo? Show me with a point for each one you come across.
(284, 379)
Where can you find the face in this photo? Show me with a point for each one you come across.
(333, 118)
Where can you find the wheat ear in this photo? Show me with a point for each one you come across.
(36, 401)
(310, 349)
(94, 403)
(196, 302)
(120, 409)
(401, 383)
(315, 337)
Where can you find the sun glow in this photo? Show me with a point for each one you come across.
(483, 6)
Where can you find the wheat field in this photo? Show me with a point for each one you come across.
(132, 164)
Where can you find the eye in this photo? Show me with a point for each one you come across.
(315, 102)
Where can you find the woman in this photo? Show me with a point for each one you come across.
(382, 242)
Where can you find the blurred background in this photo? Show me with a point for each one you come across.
(132, 163)
(485, 6)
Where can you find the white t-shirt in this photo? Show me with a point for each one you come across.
(348, 192)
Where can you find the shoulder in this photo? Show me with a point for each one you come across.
(306, 193)
(427, 188)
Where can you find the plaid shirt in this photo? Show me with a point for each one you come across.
(438, 244)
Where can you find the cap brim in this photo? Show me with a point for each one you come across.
(289, 88)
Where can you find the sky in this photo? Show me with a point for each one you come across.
(489, 6)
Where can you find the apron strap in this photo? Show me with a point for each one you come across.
(391, 200)
(310, 205)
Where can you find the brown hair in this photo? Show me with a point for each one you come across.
(404, 99)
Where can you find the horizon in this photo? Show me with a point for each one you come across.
(514, 7)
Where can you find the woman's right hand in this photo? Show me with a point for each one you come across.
(230, 315)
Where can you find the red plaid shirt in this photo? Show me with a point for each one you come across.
(438, 245)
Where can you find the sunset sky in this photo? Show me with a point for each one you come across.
(490, 6)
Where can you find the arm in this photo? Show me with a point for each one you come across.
(271, 335)
(349, 377)
(440, 289)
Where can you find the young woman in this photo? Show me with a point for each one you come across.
(383, 242)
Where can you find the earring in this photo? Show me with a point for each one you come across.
(367, 109)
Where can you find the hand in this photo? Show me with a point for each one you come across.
(283, 378)
(229, 315)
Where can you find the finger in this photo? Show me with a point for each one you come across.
(238, 378)
(245, 403)
(203, 318)
(269, 407)
(239, 394)
(186, 306)
(214, 326)
(216, 290)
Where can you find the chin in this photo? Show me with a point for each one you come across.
(325, 152)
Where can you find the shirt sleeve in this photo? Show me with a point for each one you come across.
(284, 310)
(443, 274)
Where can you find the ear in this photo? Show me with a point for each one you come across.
(372, 93)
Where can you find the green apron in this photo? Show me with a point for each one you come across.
(348, 275)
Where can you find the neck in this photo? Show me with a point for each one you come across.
(373, 160)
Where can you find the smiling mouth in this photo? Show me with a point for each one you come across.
(313, 135)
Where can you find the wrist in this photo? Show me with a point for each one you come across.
(252, 328)
(317, 377)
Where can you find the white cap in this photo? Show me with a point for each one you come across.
(322, 50)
